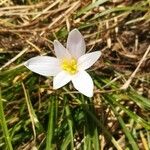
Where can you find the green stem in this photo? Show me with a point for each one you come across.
(69, 118)
(4, 125)
(50, 132)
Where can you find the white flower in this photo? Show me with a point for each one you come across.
(70, 64)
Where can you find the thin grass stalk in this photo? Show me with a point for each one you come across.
(50, 131)
(70, 124)
(4, 125)
(125, 129)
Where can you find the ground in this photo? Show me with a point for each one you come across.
(34, 116)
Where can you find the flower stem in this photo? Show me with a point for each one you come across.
(4, 125)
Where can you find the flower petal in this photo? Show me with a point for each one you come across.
(83, 83)
(60, 50)
(43, 65)
(87, 60)
(61, 79)
(76, 43)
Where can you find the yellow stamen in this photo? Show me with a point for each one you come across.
(69, 65)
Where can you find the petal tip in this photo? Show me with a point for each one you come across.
(55, 41)
(26, 64)
(76, 30)
(87, 94)
(55, 86)
(100, 53)
(91, 95)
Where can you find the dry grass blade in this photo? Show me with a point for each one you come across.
(127, 83)
(46, 9)
(14, 58)
(30, 112)
(63, 16)
(112, 118)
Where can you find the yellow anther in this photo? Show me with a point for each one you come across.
(69, 65)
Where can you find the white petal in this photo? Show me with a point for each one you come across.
(83, 83)
(43, 65)
(87, 60)
(61, 79)
(60, 50)
(76, 43)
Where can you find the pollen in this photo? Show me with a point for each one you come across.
(69, 65)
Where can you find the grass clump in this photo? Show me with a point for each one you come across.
(34, 116)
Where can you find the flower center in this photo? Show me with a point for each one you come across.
(69, 65)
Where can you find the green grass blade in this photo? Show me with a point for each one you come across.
(70, 124)
(139, 100)
(50, 131)
(87, 141)
(29, 106)
(99, 124)
(95, 140)
(119, 9)
(135, 117)
(110, 137)
(91, 6)
(92, 126)
(125, 129)
(66, 141)
(31, 109)
(4, 125)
